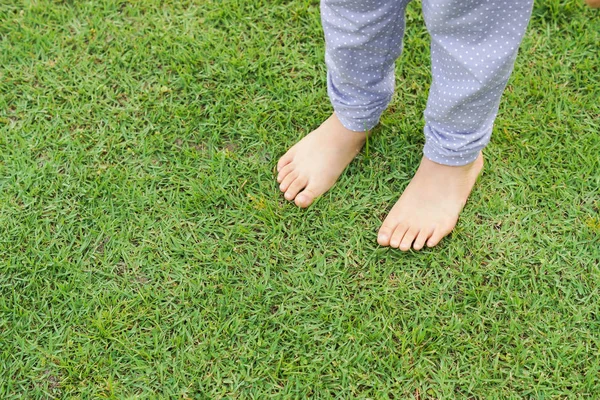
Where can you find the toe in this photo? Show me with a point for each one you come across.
(398, 235)
(305, 197)
(284, 172)
(385, 233)
(422, 237)
(296, 186)
(408, 238)
(285, 160)
(436, 236)
(287, 181)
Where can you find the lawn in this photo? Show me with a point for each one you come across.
(146, 252)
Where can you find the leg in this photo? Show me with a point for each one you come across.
(473, 48)
(363, 39)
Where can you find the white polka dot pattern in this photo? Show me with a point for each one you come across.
(474, 44)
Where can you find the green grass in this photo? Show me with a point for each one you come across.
(145, 251)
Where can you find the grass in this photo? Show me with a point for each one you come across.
(145, 251)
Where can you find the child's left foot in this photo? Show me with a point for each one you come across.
(430, 205)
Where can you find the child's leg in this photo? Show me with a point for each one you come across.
(363, 39)
(473, 48)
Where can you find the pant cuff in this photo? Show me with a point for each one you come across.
(357, 125)
(455, 152)
(453, 160)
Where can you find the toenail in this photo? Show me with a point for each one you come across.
(301, 200)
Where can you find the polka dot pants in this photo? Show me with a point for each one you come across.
(474, 44)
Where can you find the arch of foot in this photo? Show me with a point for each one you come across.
(473, 48)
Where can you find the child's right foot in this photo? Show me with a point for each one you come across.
(313, 165)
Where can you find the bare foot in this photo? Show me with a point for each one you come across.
(313, 165)
(429, 207)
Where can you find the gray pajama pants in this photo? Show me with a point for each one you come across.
(474, 44)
